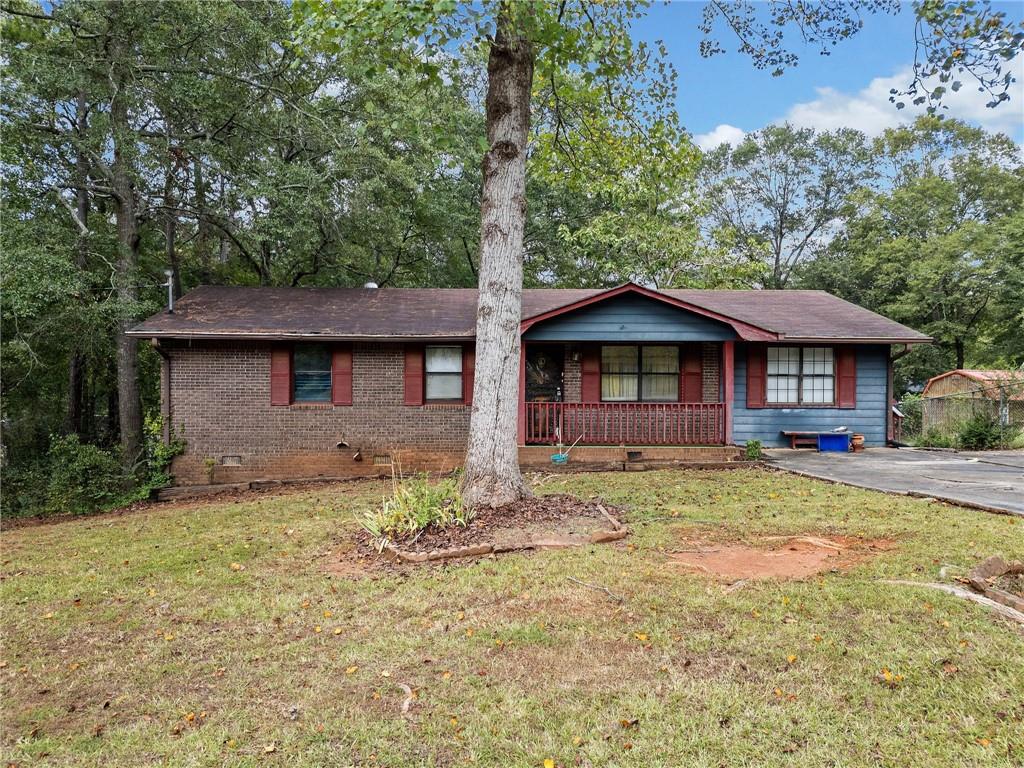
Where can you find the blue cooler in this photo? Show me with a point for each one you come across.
(834, 442)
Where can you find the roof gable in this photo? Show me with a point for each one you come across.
(589, 304)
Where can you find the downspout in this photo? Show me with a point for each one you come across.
(165, 390)
(890, 429)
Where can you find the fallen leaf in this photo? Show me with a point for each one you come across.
(351, 670)
(271, 747)
(237, 567)
(791, 658)
(641, 636)
(549, 763)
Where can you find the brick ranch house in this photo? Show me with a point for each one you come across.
(278, 383)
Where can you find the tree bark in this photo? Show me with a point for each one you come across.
(129, 401)
(492, 477)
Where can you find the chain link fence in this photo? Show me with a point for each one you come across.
(995, 413)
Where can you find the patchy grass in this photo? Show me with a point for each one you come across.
(213, 634)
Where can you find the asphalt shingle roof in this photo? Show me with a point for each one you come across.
(450, 313)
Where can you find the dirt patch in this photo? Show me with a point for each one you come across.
(776, 557)
(557, 516)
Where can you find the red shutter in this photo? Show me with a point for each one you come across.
(846, 376)
(757, 364)
(414, 374)
(341, 375)
(468, 371)
(280, 376)
(691, 374)
(590, 384)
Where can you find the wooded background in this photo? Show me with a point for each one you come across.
(199, 137)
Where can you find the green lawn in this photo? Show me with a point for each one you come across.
(188, 635)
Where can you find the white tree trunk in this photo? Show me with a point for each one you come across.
(492, 477)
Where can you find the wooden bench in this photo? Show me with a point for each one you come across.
(797, 439)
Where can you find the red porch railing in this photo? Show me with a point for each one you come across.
(626, 423)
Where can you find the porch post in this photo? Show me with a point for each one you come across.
(521, 432)
(728, 364)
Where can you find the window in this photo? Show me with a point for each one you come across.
(311, 373)
(444, 373)
(630, 373)
(660, 382)
(801, 375)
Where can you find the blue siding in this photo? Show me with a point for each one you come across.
(868, 418)
(630, 318)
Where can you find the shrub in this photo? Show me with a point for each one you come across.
(753, 450)
(416, 505)
(79, 478)
(979, 433)
(82, 478)
(935, 438)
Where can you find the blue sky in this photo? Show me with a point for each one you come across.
(723, 96)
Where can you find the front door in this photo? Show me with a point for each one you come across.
(544, 368)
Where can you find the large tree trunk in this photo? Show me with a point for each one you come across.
(492, 476)
(129, 401)
(76, 359)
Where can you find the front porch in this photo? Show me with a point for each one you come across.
(569, 395)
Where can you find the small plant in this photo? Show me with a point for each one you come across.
(979, 433)
(416, 504)
(159, 454)
(753, 451)
(934, 438)
(211, 465)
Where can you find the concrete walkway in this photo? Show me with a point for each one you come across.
(991, 480)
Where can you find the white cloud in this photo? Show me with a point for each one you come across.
(869, 110)
(722, 134)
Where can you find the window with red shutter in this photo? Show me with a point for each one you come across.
(280, 376)
(341, 375)
(590, 372)
(846, 376)
(468, 371)
(692, 374)
(756, 364)
(413, 377)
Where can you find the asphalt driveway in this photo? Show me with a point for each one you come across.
(991, 480)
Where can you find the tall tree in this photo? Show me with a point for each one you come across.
(937, 244)
(778, 195)
(525, 42)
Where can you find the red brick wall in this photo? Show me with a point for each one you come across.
(220, 404)
(711, 356)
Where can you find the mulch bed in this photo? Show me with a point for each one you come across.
(530, 512)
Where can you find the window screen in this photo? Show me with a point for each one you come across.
(311, 374)
(444, 373)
